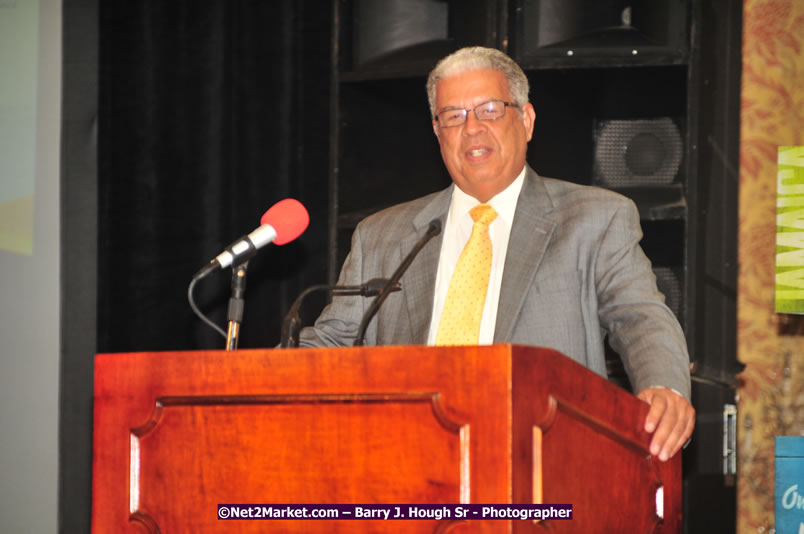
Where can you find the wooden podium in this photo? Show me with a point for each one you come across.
(177, 433)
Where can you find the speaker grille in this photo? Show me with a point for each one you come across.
(632, 153)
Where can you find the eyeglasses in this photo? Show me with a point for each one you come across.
(487, 111)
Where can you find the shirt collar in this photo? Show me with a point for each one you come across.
(504, 202)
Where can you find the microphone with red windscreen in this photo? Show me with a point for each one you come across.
(282, 223)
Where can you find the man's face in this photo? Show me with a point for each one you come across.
(483, 157)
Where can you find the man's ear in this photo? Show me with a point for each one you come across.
(529, 118)
(435, 127)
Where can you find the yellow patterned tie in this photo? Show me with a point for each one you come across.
(463, 307)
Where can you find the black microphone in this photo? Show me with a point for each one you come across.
(433, 230)
(291, 324)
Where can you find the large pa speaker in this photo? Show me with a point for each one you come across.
(603, 28)
(383, 27)
(637, 153)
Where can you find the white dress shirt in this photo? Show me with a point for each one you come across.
(456, 233)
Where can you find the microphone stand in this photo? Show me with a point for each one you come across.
(236, 305)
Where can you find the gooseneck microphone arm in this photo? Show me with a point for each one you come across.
(292, 323)
(433, 230)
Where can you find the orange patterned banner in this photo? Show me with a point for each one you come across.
(771, 397)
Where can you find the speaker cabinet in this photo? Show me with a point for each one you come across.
(637, 96)
(402, 38)
(614, 28)
(385, 27)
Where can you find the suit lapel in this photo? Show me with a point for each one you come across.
(530, 235)
(419, 281)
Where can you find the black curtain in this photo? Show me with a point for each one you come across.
(205, 112)
(210, 112)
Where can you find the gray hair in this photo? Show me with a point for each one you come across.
(478, 58)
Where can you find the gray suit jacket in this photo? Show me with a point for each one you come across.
(574, 272)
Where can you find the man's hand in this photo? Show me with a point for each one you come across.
(672, 418)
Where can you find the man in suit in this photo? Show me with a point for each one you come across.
(562, 262)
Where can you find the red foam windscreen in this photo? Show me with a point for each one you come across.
(289, 218)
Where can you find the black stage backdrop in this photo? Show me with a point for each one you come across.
(207, 113)
(210, 112)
